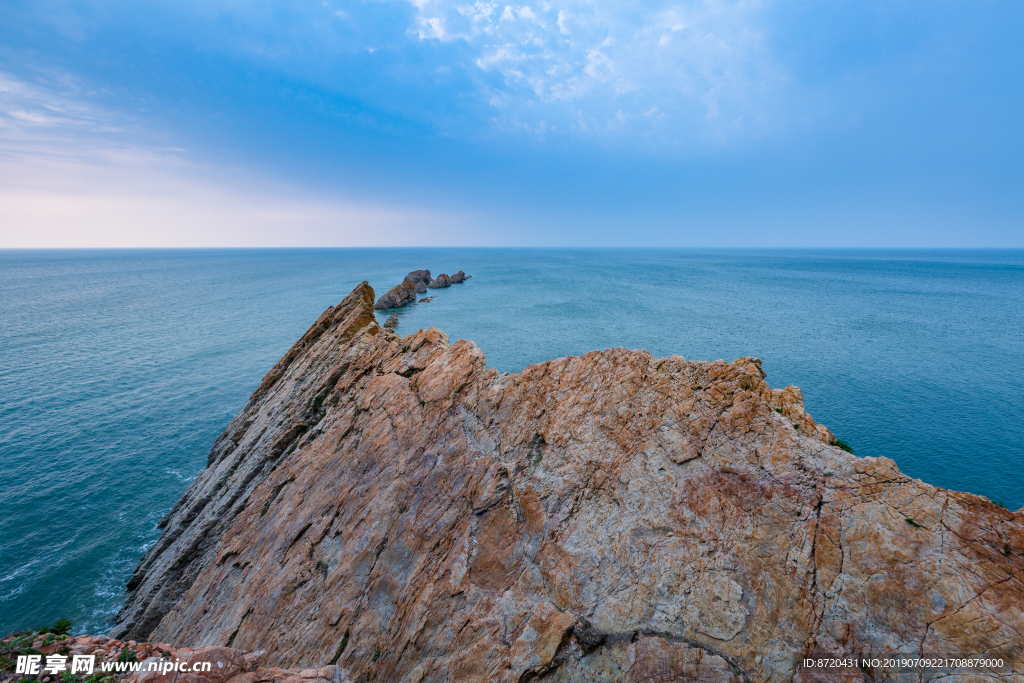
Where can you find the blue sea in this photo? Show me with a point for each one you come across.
(119, 368)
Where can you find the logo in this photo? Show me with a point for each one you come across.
(30, 664)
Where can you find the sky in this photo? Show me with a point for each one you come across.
(708, 123)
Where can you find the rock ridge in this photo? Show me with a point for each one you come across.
(391, 505)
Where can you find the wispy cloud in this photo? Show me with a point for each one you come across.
(53, 118)
(685, 69)
(74, 174)
(484, 68)
(552, 116)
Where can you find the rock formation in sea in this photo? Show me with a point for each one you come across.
(459, 277)
(440, 281)
(420, 278)
(392, 506)
(399, 295)
(392, 320)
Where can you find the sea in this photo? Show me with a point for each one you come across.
(118, 369)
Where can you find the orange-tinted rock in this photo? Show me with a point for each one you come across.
(656, 659)
(440, 282)
(392, 506)
(224, 662)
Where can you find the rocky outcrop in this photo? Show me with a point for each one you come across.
(391, 505)
(392, 320)
(440, 281)
(282, 411)
(459, 277)
(399, 295)
(420, 278)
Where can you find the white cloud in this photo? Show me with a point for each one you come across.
(73, 174)
(700, 63)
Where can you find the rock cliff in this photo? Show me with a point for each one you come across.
(389, 505)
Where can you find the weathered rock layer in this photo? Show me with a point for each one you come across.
(392, 506)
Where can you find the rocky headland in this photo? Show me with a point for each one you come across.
(390, 506)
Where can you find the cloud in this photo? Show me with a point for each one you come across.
(485, 69)
(583, 66)
(73, 174)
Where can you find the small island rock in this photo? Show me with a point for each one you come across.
(459, 277)
(420, 278)
(392, 320)
(442, 280)
(399, 295)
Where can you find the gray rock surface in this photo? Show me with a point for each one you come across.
(420, 278)
(392, 320)
(440, 281)
(459, 277)
(399, 295)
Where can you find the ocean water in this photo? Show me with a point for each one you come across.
(119, 368)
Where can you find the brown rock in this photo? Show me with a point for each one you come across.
(656, 659)
(169, 677)
(434, 520)
(254, 658)
(399, 295)
(546, 631)
(225, 662)
(420, 278)
(248, 677)
(147, 676)
(323, 672)
(263, 675)
(440, 281)
(242, 457)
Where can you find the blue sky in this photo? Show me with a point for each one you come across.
(448, 122)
